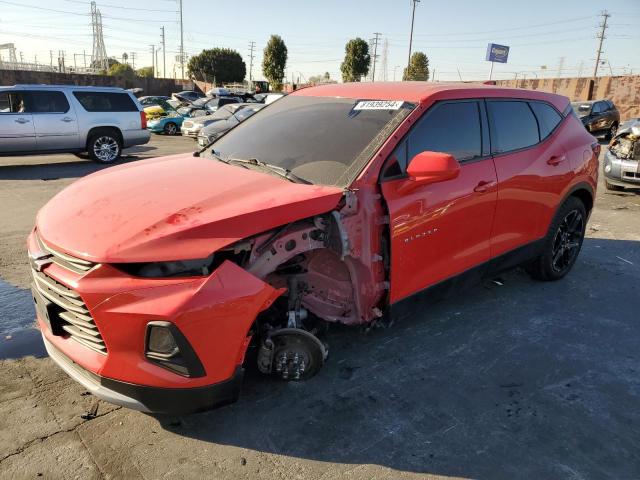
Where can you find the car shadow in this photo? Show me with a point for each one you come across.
(511, 379)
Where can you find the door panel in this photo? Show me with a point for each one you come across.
(440, 230)
(16, 125)
(530, 184)
(54, 119)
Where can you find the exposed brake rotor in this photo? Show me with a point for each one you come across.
(292, 354)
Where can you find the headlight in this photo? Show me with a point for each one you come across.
(177, 268)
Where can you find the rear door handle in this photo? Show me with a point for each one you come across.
(483, 186)
(67, 119)
(555, 160)
(22, 120)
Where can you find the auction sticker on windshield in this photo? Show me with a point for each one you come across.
(379, 105)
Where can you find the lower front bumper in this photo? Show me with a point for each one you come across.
(150, 399)
(622, 172)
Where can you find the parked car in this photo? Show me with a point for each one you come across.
(226, 118)
(158, 282)
(168, 124)
(622, 160)
(192, 127)
(598, 116)
(267, 98)
(188, 96)
(153, 100)
(38, 119)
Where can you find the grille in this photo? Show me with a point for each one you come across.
(632, 174)
(74, 317)
(66, 261)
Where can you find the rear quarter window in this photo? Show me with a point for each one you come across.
(513, 125)
(548, 118)
(105, 102)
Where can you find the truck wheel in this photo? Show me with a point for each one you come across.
(171, 128)
(104, 146)
(562, 243)
(611, 186)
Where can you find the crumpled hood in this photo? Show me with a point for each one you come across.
(173, 208)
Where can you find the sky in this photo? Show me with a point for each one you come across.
(557, 34)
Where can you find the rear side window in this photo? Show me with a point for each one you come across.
(513, 126)
(548, 118)
(452, 128)
(12, 102)
(106, 102)
(47, 102)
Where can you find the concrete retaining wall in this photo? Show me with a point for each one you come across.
(151, 86)
(624, 90)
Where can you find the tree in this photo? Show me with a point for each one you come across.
(325, 78)
(274, 61)
(356, 60)
(217, 65)
(418, 68)
(122, 70)
(145, 72)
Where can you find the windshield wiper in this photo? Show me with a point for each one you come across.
(283, 172)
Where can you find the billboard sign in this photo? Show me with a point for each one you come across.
(497, 53)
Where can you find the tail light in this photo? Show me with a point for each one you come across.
(143, 120)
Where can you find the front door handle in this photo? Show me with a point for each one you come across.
(483, 186)
(22, 120)
(556, 160)
(67, 119)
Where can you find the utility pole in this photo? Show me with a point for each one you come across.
(413, 14)
(133, 60)
(375, 55)
(603, 26)
(164, 53)
(252, 46)
(181, 42)
(51, 57)
(560, 66)
(153, 59)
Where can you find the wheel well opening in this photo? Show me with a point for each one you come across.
(98, 130)
(585, 197)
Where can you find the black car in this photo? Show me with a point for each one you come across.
(598, 116)
(188, 96)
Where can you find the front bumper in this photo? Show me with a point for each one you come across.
(150, 399)
(622, 172)
(191, 131)
(213, 313)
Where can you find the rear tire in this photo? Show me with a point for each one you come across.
(104, 146)
(611, 186)
(562, 243)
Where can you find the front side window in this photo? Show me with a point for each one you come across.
(323, 140)
(548, 118)
(513, 125)
(599, 107)
(105, 102)
(452, 128)
(12, 102)
(47, 102)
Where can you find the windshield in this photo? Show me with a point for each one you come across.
(581, 108)
(324, 140)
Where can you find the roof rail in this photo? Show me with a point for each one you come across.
(40, 85)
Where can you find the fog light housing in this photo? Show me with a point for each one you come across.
(607, 168)
(167, 347)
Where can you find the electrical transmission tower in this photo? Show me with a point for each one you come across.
(99, 57)
(384, 59)
(375, 55)
(603, 27)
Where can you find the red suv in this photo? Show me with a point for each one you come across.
(156, 282)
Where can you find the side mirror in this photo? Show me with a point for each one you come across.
(432, 167)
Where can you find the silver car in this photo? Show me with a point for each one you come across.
(622, 160)
(37, 119)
